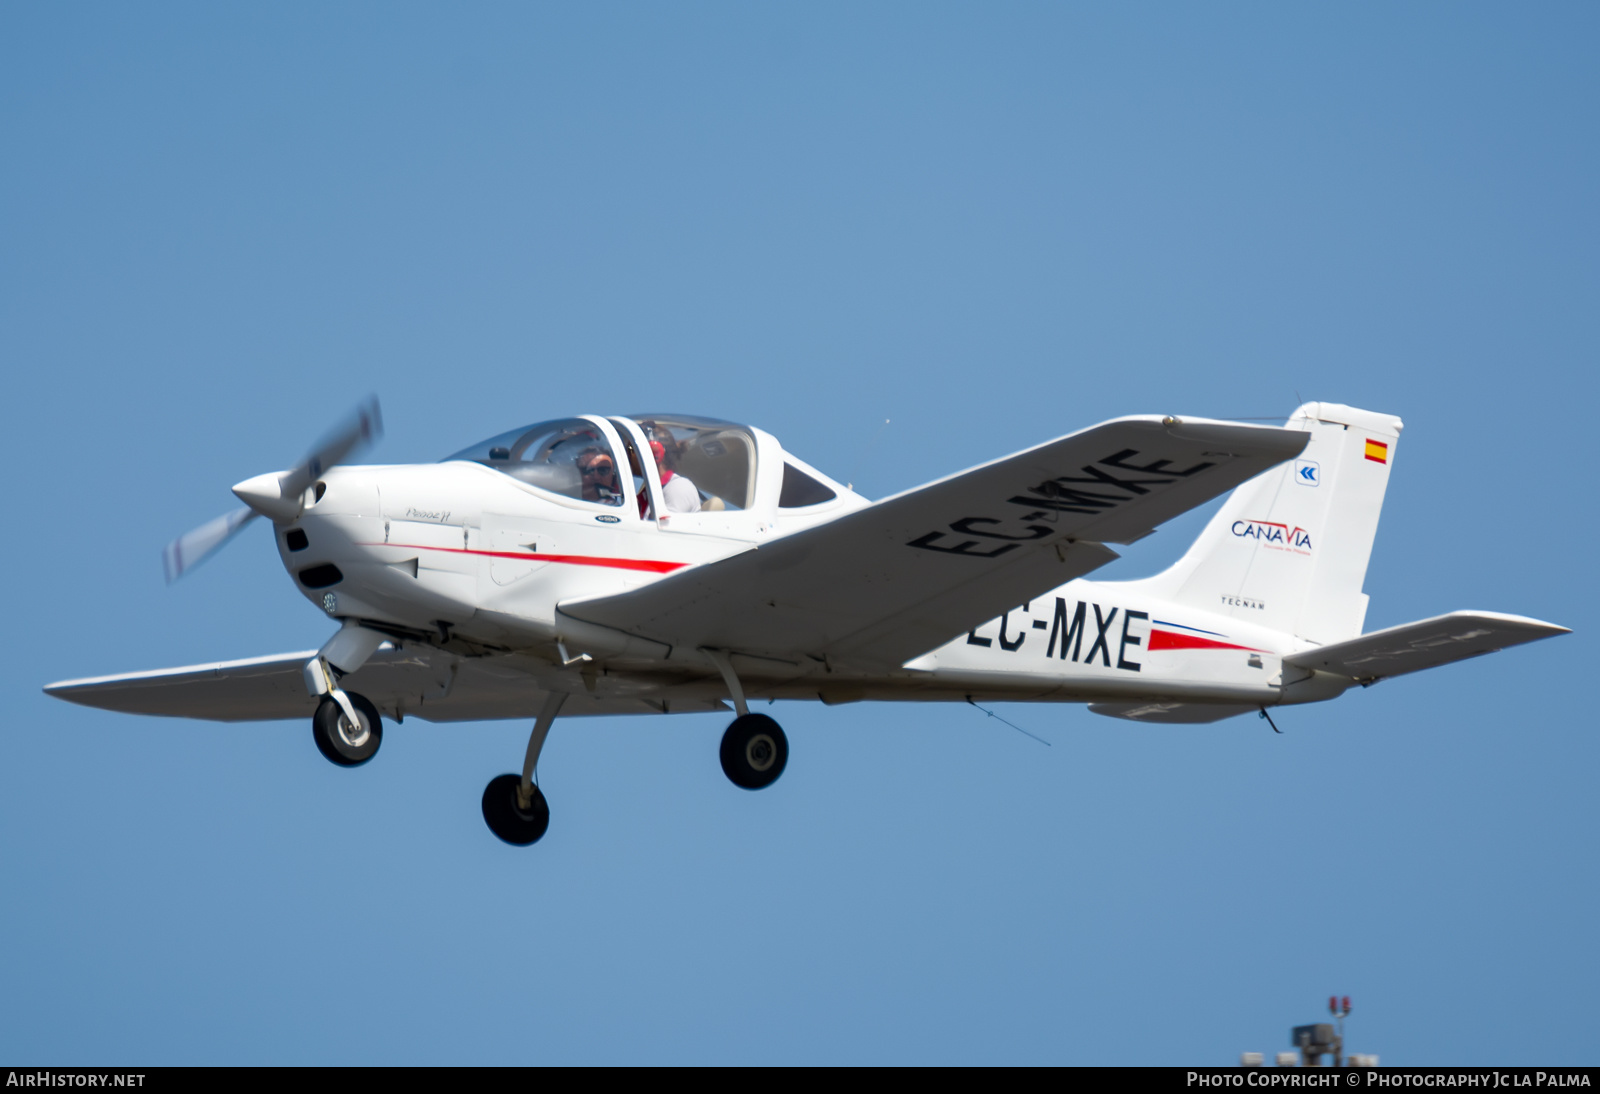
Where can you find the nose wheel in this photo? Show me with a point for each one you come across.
(754, 751)
(343, 743)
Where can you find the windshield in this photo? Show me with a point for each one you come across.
(716, 459)
(570, 457)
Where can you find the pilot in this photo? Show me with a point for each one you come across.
(677, 492)
(599, 473)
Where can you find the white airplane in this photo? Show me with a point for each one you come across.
(665, 564)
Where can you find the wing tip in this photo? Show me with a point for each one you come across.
(1269, 440)
(1550, 630)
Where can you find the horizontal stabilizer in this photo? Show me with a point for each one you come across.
(1171, 713)
(1424, 645)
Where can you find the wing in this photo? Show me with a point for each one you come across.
(256, 689)
(1411, 647)
(888, 582)
(420, 683)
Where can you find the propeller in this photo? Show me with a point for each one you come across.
(192, 548)
(279, 495)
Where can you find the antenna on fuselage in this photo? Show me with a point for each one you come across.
(1013, 725)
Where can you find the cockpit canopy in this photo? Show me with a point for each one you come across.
(576, 458)
(549, 455)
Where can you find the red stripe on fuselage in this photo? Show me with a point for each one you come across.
(1172, 640)
(648, 565)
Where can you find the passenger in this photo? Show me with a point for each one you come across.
(679, 493)
(599, 473)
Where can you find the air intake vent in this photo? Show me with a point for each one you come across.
(320, 577)
(295, 540)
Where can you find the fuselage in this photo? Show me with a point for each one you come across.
(477, 555)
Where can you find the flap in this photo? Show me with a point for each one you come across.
(1424, 645)
(900, 577)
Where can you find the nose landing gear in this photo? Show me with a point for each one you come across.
(346, 726)
(344, 743)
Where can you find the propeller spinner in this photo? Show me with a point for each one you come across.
(279, 496)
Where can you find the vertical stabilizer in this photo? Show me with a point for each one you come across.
(1289, 548)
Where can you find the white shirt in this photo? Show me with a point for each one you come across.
(680, 495)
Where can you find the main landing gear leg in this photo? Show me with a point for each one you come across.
(346, 727)
(754, 749)
(514, 808)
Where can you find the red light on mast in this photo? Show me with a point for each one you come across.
(1347, 1004)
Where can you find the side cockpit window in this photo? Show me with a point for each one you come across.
(706, 465)
(801, 490)
(570, 457)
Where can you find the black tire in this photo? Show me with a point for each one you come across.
(329, 729)
(754, 751)
(507, 819)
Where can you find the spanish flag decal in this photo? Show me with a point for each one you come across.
(1377, 451)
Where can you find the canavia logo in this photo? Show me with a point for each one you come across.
(1270, 533)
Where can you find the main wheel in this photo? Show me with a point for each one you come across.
(505, 816)
(338, 740)
(754, 751)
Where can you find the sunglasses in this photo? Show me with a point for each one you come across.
(598, 469)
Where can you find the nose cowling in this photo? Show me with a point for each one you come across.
(339, 543)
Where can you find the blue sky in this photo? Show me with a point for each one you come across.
(222, 226)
